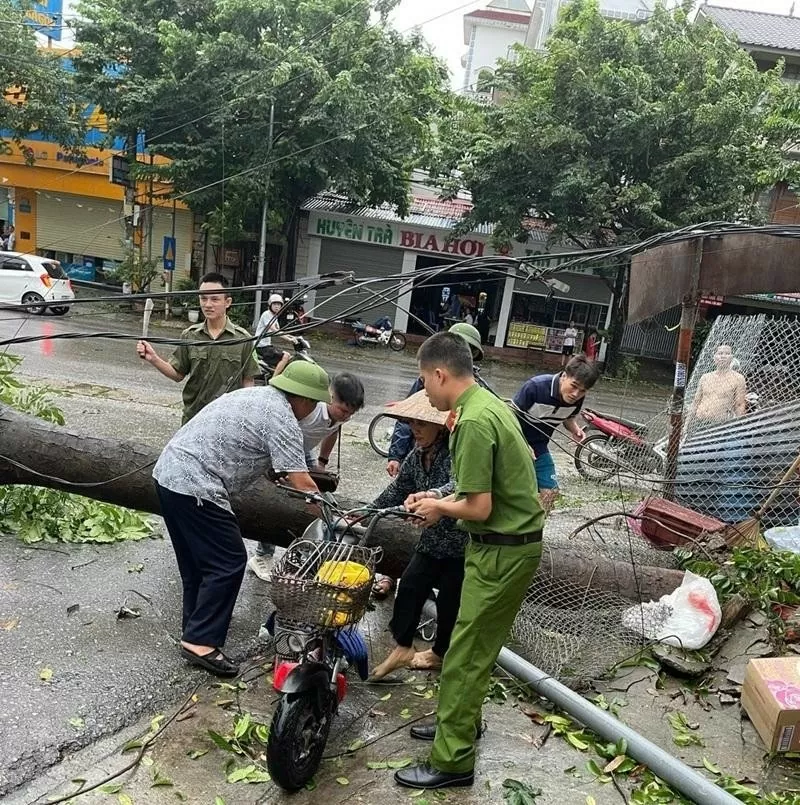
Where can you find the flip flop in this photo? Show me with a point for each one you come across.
(214, 662)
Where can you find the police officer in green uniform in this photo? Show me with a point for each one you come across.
(496, 503)
(214, 368)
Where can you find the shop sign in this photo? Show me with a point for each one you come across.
(45, 17)
(393, 234)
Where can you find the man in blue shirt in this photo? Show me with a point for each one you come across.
(550, 401)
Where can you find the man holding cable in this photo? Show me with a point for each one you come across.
(213, 368)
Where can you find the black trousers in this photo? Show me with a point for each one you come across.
(211, 559)
(423, 574)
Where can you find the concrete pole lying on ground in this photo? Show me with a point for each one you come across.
(672, 771)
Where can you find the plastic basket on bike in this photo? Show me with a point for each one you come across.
(323, 583)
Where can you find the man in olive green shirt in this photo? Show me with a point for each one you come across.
(212, 370)
(496, 502)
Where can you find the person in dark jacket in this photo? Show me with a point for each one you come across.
(438, 561)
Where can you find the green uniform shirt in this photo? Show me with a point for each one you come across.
(212, 370)
(490, 454)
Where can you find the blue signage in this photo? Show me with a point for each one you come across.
(46, 17)
(169, 253)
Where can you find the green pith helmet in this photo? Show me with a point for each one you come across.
(303, 379)
(471, 335)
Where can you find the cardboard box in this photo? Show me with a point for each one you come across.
(771, 697)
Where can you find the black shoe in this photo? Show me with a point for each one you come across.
(427, 732)
(215, 662)
(425, 776)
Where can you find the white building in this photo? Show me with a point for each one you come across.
(489, 34)
(545, 16)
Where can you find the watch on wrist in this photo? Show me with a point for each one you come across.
(323, 461)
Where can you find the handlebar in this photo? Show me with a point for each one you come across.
(327, 501)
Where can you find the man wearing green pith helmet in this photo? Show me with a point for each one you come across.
(218, 454)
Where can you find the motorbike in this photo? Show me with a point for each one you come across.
(619, 443)
(320, 589)
(381, 334)
(268, 357)
(296, 313)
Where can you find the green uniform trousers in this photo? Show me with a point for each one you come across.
(496, 579)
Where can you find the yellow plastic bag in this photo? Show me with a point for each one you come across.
(343, 574)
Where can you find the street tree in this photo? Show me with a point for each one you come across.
(620, 131)
(38, 96)
(352, 99)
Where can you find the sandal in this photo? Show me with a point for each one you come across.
(382, 587)
(214, 662)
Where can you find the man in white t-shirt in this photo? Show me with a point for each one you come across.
(321, 427)
(568, 348)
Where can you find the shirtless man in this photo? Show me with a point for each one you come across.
(721, 394)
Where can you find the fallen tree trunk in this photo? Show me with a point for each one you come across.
(120, 473)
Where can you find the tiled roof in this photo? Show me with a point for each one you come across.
(520, 18)
(424, 212)
(776, 31)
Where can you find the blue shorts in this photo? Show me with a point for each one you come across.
(545, 467)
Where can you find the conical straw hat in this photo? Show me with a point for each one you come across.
(416, 407)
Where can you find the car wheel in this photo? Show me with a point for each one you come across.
(59, 311)
(34, 302)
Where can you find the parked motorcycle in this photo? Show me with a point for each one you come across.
(381, 334)
(320, 588)
(618, 444)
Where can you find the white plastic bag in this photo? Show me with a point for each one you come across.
(687, 618)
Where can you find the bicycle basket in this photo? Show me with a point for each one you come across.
(323, 583)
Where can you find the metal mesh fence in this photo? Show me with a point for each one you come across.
(742, 426)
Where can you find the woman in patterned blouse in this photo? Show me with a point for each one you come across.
(438, 561)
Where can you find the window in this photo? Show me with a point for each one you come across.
(54, 270)
(14, 264)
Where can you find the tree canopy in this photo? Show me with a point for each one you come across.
(353, 99)
(38, 94)
(619, 131)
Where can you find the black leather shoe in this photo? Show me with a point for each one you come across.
(427, 732)
(425, 776)
(215, 662)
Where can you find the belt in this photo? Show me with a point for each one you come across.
(507, 539)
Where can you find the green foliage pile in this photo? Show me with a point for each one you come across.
(47, 515)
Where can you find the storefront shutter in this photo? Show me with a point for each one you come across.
(80, 225)
(365, 262)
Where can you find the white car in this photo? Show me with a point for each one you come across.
(30, 280)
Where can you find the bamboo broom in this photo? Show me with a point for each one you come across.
(748, 532)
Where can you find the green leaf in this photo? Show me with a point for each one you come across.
(573, 740)
(356, 745)
(405, 713)
(46, 674)
(710, 766)
(515, 792)
(403, 763)
(311, 785)
(160, 779)
(220, 741)
(219, 801)
(111, 788)
(241, 774)
(376, 765)
(124, 799)
(386, 697)
(193, 754)
(77, 722)
(342, 781)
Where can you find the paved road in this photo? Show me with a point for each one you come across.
(106, 672)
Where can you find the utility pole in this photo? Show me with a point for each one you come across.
(262, 247)
(682, 357)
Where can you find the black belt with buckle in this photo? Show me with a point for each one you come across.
(507, 539)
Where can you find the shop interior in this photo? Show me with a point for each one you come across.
(454, 296)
